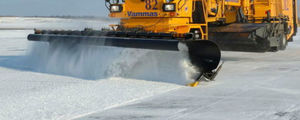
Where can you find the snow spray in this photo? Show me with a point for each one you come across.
(100, 62)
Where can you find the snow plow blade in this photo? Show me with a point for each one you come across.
(204, 55)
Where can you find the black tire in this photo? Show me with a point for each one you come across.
(282, 42)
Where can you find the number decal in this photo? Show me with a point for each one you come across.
(155, 4)
(148, 5)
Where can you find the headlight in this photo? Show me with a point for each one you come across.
(169, 7)
(116, 8)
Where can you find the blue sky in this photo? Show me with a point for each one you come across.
(53, 7)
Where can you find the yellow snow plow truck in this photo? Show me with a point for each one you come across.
(202, 27)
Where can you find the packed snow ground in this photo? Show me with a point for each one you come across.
(36, 84)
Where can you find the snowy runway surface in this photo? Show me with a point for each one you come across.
(32, 91)
(36, 84)
(28, 94)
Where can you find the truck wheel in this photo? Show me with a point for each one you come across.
(282, 42)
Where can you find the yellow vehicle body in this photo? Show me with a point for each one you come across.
(286, 9)
(136, 15)
(149, 15)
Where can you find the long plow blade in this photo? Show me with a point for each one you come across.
(140, 43)
(203, 54)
